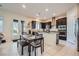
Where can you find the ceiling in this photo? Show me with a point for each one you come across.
(35, 9)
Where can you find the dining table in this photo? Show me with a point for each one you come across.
(30, 39)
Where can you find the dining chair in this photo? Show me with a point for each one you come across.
(22, 43)
(38, 42)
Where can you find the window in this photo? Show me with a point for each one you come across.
(22, 26)
(15, 27)
(1, 24)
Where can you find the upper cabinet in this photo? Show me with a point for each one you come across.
(61, 21)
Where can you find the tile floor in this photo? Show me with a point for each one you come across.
(50, 49)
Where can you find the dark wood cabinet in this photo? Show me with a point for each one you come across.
(33, 24)
(61, 21)
(43, 25)
(61, 24)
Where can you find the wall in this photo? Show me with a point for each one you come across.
(8, 20)
(71, 19)
(78, 10)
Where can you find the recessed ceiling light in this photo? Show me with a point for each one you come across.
(24, 6)
(46, 9)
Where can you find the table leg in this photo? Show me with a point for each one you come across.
(43, 45)
(22, 51)
(29, 49)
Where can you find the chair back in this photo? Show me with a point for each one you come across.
(38, 35)
(24, 33)
(38, 39)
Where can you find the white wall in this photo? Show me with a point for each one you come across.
(78, 10)
(71, 19)
(8, 18)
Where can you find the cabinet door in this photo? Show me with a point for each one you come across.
(33, 24)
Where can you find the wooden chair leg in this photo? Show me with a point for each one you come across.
(43, 45)
(29, 50)
(41, 49)
(22, 51)
(35, 51)
(17, 44)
